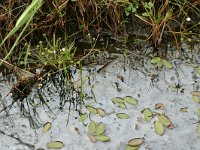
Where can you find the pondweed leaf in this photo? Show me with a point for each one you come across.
(82, 117)
(184, 109)
(195, 93)
(159, 64)
(131, 148)
(122, 116)
(122, 105)
(155, 60)
(117, 100)
(135, 142)
(147, 114)
(91, 109)
(101, 112)
(92, 127)
(196, 99)
(164, 120)
(130, 100)
(102, 138)
(46, 127)
(158, 127)
(55, 145)
(100, 129)
(198, 128)
(167, 64)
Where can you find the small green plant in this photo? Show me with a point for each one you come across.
(161, 62)
(57, 54)
(131, 8)
(157, 18)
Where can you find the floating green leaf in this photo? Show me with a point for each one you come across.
(159, 128)
(122, 105)
(101, 112)
(82, 117)
(147, 114)
(167, 64)
(184, 109)
(100, 129)
(91, 109)
(135, 142)
(198, 128)
(159, 64)
(102, 138)
(130, 100)
(155, 60)
(198, 112)
(131, 148)
(122, 116)
(92, 127)
(164, 120)
(196, 99)
(46, 127)
(55, 145)
(117, 100)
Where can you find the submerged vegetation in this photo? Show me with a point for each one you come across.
(45, 41)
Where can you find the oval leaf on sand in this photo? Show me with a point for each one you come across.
(46, 127)
(100, 129)
(159, 128)
(122, 116)
(147, 114)
(55, 145)
(91, 109)
(117, 100)
(135, 142)
(131, 148)
(102, 138)
(101, 112)
(130, 100)
(92, 127)
(82, 117)
(195, 93)
(122, 105)
(164, 120)
(196, 99)
(167, 64)
(198, 128)
(184, 109)
(159, 64)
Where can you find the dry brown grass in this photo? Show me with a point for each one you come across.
(72, 18)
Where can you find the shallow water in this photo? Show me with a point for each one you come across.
(145, 83)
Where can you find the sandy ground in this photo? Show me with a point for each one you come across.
(149, 88)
